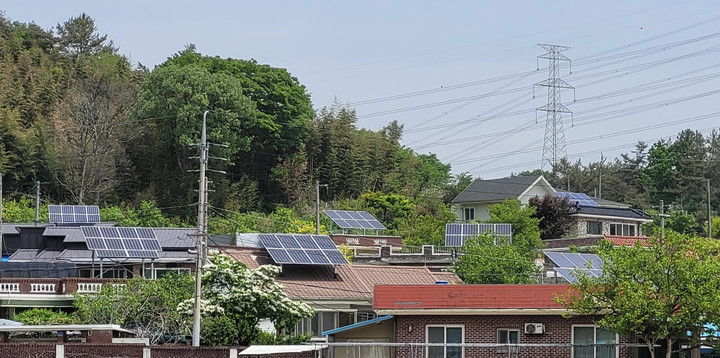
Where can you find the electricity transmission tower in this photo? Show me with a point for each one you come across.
(554, 144)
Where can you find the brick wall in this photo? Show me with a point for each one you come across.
(483, 329)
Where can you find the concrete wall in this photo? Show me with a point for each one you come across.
(52, 350)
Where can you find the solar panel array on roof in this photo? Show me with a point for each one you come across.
(354, 219)
(457, 233)
(302, 249)
(119, 242)
(570, 265)
(581, 199)
(74, 214)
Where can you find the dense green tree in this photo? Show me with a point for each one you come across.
(148, 306)
(484, 261)
(657, 293)
(43, 316)
(681, 222)
(525, 227)
(554, 214)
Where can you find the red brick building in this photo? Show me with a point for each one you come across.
(492, 321)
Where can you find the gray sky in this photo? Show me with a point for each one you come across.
(642, 69)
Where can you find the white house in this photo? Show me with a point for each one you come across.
(473, 202)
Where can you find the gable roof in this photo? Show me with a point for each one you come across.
(496, 189)
(426, 298)
(627, 240)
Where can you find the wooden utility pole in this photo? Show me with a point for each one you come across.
(709, 210)
(37, 202)
(662, 219)
(317, 206)
(201, 233)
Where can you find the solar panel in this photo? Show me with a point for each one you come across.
(73, 214)
(581, 199)
(302, 249)
(457, 233)
(122, 242)
(570, 265)
(346, 219)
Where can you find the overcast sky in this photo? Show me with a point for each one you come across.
(459, 75)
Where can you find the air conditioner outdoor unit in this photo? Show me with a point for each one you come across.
(533, 328)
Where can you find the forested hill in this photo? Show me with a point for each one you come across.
(77, 116)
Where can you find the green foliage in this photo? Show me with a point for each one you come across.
(681, 222)
(525, 227)
(236, 298)
(388, 208)
(148, 306)
(42, 316)
(715, 227)
(422, 230)
(485, 262)
(281, 220)
(660, 292)
(554, 214)
(22, 210)
(147, 215)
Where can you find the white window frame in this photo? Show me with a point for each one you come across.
(467, 217)
(507, 350)
(154, 271)
(305, 325)
(445, 326)
(595, 329)
(622, 227)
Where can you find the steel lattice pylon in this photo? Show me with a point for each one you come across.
(554, 144)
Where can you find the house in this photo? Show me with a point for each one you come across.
(490, 321)
(341, 295)
(44, 265)
(473, 202)
(597, 219)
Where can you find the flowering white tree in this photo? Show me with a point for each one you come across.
(236, 298)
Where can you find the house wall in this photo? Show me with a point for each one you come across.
(483, 329)
(540, 189)
(382, 332)
(580, 227)
(482, 212)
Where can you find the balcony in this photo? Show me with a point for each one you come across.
(53, 286)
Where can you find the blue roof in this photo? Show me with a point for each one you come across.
(356, 325)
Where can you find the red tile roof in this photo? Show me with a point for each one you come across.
(467, 297)
(626, 240)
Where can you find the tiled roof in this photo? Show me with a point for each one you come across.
(626, 213)
(24, 255)
(495, 189)
(626, 240)
(342, 282)
(415, 297)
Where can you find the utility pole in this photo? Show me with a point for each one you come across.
(662, 219)
(317, 206)
(554, 143)
(1, 217)
(201, 233)
(37, 202)
(709, 211)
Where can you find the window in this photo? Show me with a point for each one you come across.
(594, 228)
(324, 321)
(153, 274)
(593, 342)
(507, 336)
(444, 335)
(622, 229)
(469, 214)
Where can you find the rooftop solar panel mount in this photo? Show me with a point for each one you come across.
(354, 220)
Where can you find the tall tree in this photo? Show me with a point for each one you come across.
(484, 261)
(659, 293)
(525, 227)
(78, 37)
(554, 214)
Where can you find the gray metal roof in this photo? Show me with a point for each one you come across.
(610, 204)
(23, 255)
(47, 256)
(249, 240)
(74, 254)
(178, 238)
(71, 234)
(10, 228)
(625, 213)
(177, 255)
(495, 189)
